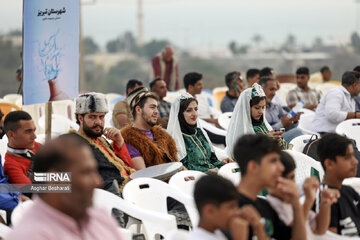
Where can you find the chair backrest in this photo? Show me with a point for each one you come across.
(153, 222)
(7, 107)
(299, 142)
(185, 181)
(354, 182)
(284, 89)
(59, 124)
(325, 87)
(351, 129)
(13, 98)
(3, 148)
(4, 230)
(231, 171)
(224, 120)
(305, 167)
(305, 123)
(152, 194)
(19, 211)
(332, 236)
(212, 128)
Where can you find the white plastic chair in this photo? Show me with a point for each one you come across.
(154, 223)
(332, 236)
(351, 129)
(299, 142)
(20, 210)
(304, 166)
(65, 108)
(12, 97)
(212, 128)
(305, 123)
(4, 231)
(179, 234)
(185, 181)
(231, 171)
(325, 87)
(353, 182)
(224, 120)
(59, 124)
(3, 148)
(284, 89)
(152, 194)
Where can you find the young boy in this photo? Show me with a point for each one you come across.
(259, 159)
(317, 224)
(336, 154)
(216, 201)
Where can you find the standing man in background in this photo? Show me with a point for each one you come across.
(165, 67)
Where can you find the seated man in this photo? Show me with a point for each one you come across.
(338, 104)
(113, 161)
(258, 157)
(148, 143)
(336, 154)
(158, 87)
(357, 98)
(236, 85)
(269, 72)
(302, 92)
(67, 215)
(20, 130)
(194, 84)
(132, 84)
(252, 76)
(276, 115)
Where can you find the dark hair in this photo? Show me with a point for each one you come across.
(153, 83)
(266, 72)
(12, 120)
(213, 189)
(324, 69)
(185, 103)
(256, 100)
(191, 79)
(132, 83)
(357, 69)
(142, 102)
(56, 154)
(332, 145)
(263, 81)
(349, 78)
(252, 72)
(288, 162)
(77, 117)
(230, 77)
(253, 148)
(303, 70)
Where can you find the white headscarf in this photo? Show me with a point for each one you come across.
(241, 123)
(174, 129)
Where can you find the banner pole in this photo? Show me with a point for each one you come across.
(48, 113)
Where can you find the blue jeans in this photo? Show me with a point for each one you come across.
(291, 134)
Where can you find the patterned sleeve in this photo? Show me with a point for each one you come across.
(291, 97)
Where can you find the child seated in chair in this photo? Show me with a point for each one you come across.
(315, 223)
(216, 201)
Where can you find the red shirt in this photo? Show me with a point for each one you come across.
(16, 167)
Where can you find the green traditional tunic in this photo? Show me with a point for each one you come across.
(261, 129)
(199, 155)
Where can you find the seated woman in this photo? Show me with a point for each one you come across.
(248, 118)
(195, 150)
(121, 114)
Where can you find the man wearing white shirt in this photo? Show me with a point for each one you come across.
(338, 104)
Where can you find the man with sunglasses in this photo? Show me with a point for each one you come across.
(236, 85)
(302, 92)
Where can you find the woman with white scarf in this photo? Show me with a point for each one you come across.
(249, 118)
(195, 150)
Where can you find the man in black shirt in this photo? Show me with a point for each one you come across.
(258, 157)
(336, 154)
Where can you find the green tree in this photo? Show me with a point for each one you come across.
(150, 49)
(90, 47)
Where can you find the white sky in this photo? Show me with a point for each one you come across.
(210, 23)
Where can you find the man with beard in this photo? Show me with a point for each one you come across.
(113, 160)
(148, 143)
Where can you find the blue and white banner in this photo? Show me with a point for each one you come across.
(50, 50)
